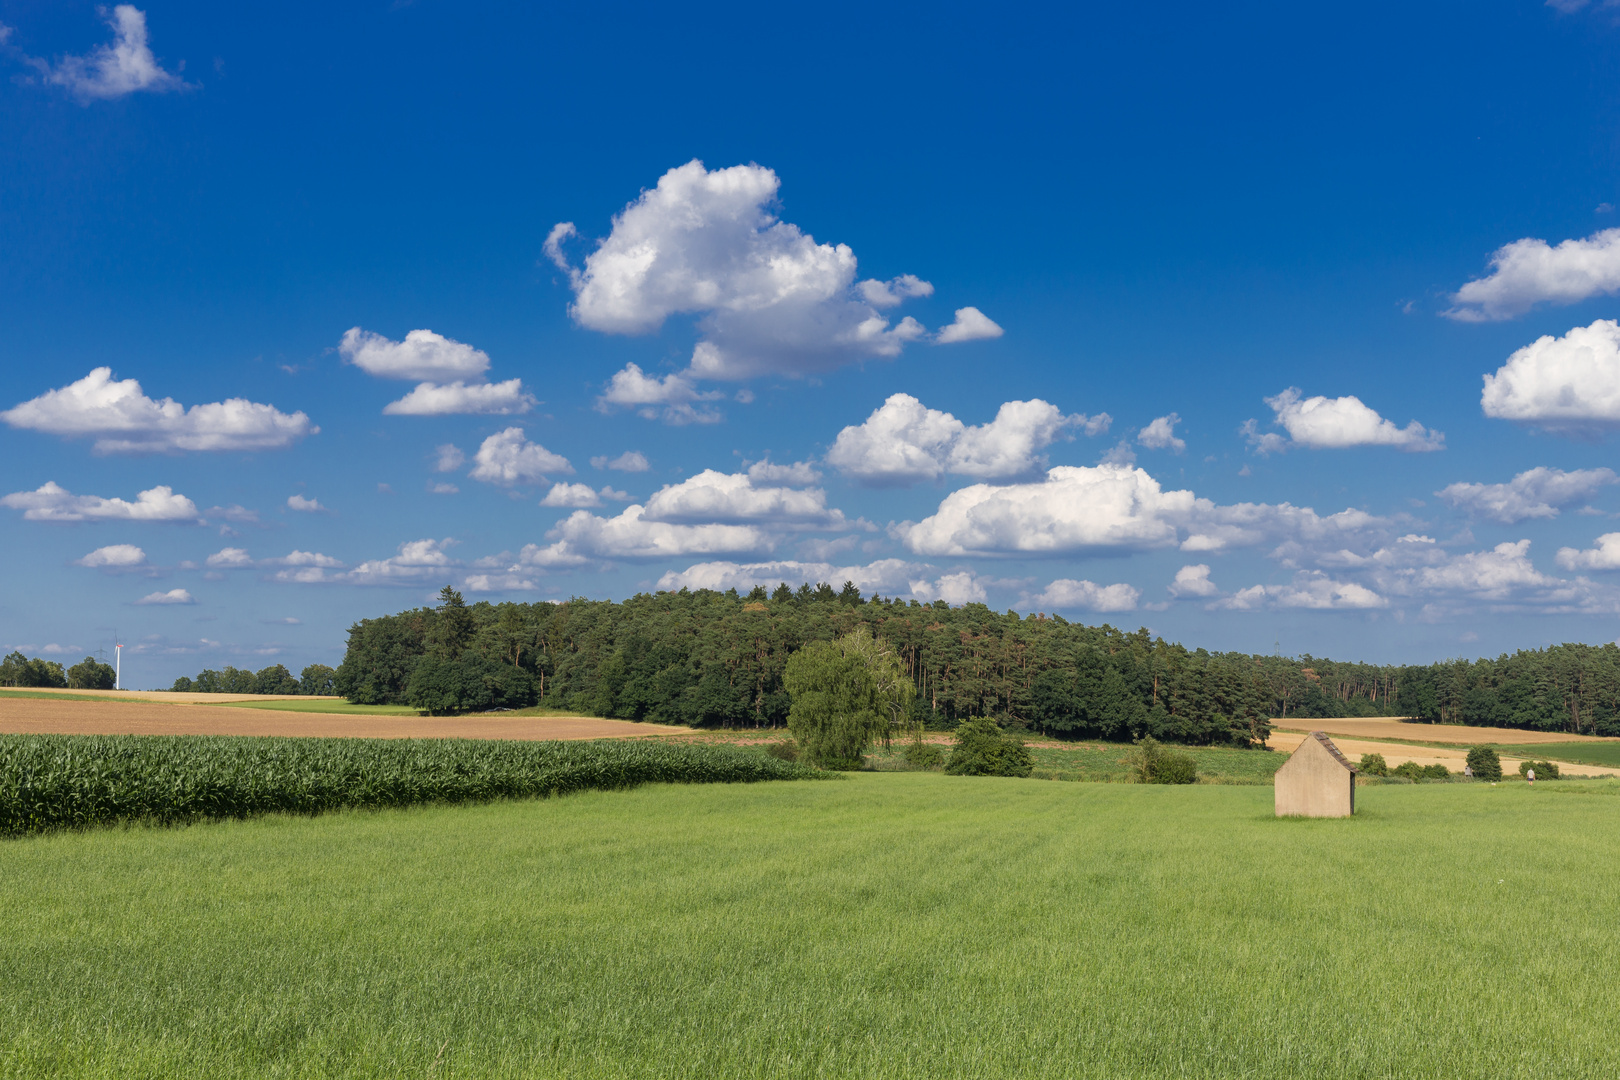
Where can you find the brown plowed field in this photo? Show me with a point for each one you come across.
(1386, 728)
(36, 716)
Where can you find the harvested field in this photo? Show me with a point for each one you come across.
(1391, 728)
(36, 716)
(1395, 753)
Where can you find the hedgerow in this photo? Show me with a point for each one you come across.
(65, 781)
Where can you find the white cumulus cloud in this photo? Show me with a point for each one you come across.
(126, 66)
(672, 397)
(970, 324)
(904, 442)
(885, 575)
(230, 558)
(1067, 594)
(508, 457)
(572, 495)
(1323, 423)
(114, 557)
(461, 399)
(583, 536)
(304, 505)
(173, 596)
(448, 458)
(1193, 581)
(768, 298)
(1311, 589)
(51, 502)
(422, 357)
(1569, 383)
(1604, 555)
(1530, 271)
(735, 498)
(1075, 508)
(1161, 434)
(1534, 493)
(123, 420)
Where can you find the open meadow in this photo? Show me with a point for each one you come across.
(888, 925)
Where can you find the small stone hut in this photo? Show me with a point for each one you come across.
(1316, 781)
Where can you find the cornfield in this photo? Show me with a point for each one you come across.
(67, 781)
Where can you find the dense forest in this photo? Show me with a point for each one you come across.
(275, 679)
(717, 659)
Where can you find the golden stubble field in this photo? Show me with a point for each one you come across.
(175, 714)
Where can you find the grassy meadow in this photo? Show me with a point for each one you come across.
(894, 925)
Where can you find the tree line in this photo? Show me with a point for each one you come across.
(275, 679)
(710, 658)
(17, 670)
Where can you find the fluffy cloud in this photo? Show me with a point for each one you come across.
(124, 67)
(508, 457)
(418, 561)
(1604, 556)
(572, 495)
(629, 461)
(904, 442)
(1193, 581)
(460, 399)
(885, 575)
(304, 505)
(422, 357)
(1076, 508)
(173, 596)
(1484, 575)
(123, 420)
(671, 396)
(1568, 383)
(1323, 423)
(735, 498)
(1529, 271)
(451, 375)
(231, 558)
(769, 299)
(1535, 493)
(54, 503)
(970, 324)
(1311, 589)
(1066, 594)
(583, 536)
(1161, 434)
(114, 557)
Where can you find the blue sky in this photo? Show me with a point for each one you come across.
(957, 303)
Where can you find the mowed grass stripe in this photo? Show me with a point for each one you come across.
(898, 925)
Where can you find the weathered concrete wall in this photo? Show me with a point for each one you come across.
(1316, 781)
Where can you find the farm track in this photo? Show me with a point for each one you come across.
(1382, 728)
(35, 716)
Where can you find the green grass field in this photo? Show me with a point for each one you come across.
(1110, 762)
(318, 705)
(7, 692)
(894, 925)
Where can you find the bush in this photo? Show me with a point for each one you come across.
(785, 750)
(1484, 763)
(1153, 764)
(89, 674)
(1545, 770)
(1373, 765)
(1413, 771)
(56, 781)
(983, 749)
(922, 755)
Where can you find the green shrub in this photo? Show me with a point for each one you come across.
(785, 750)
(56, 781)
(922, 755)
(1413, 771)
(983, 749)
(1484, 763)
(1373, 765)
(1545, 770)
(1435, 772)
(1153, 764)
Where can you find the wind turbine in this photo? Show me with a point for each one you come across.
(118, 661)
